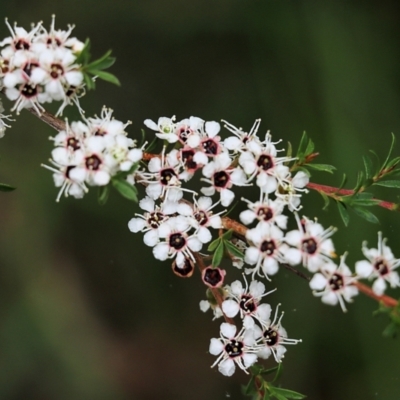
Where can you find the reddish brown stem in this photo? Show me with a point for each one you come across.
(331, 190)
(386, 300)
(49, 119)
(237, 227)
(216, 293)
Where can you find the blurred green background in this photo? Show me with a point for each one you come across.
(85, 311)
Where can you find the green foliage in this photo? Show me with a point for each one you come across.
(357, 199)
(96, 68)
(223, 245)
(394, 315)
(123, 187)
(260, 389)
(6, 188)
(305, 154)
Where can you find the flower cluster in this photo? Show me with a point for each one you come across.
(90, 153)
(39, 66)
(260, 335)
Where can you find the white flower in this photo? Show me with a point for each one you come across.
(63, 163)
(289, 188)
(150, 222)
(334, 284)
(380, 266)
(246, 301)
(265, 210)
(165, 128)
(260, 159)
(312, 243)
(239, 142)
(268, 250)
(177, 242)
(222, 177)
(202, 217)
(233, 348)
(163, 178)
(272, 339)
(59, 38)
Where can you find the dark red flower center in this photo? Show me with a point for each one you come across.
(211, 147)
(336, 282)
(177, 241)
(265, 162)
(247, 304)
(309, 246)
(93, 162)
(221, 179)
(268, 247)
(271, 337)
(234, 348)
(201, 217)
(264, 213)
(166, 176)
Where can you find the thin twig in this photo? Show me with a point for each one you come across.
(386, 300)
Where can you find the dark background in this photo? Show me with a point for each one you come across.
(85, 310)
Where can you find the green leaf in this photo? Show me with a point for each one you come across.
(376, 156)
(343, 213)
(90, 84)
(6, 188)
(390, 152)
(288, 394)
(106, 76)
(359, 201)
(326, 200)
(322, 167)
(393, 163)
(360, 181)
(103, 194)
(310, 147)
(344, 180)
(391, 330)
(302, 145)
(103, 62)
(218, 255)
(368, 165)
(227, 235)
(125, 189)
(366, 214)
(391, 184)
(289, 150)
(278, 372)
(84, 55)
(250, 387)
(231, 248)
(278, 396)
(213, 245)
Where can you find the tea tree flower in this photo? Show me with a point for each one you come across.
(232, 349)
(178, 243)
(268, 250)
(239, 142)
(312, 243)
(379, 267)
(273, 337)
(221, 176)
(265, 211)
(334, 284)
(246, 302)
